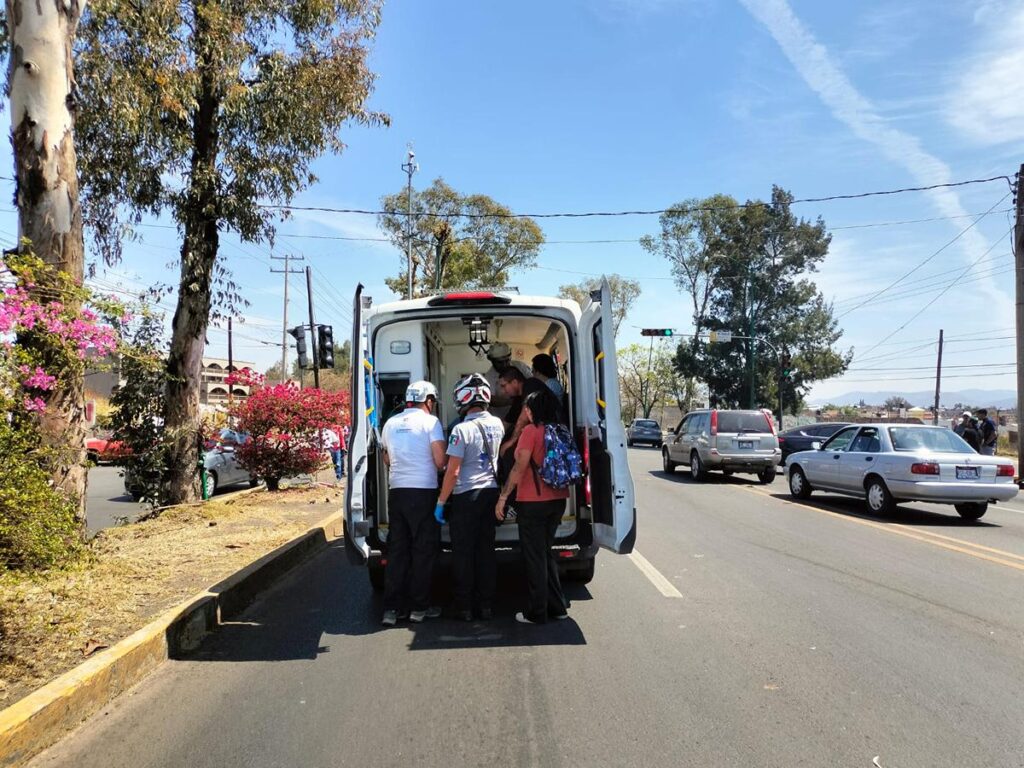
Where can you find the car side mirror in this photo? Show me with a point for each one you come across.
(816, 445)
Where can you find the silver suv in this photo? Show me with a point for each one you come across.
(730, 441)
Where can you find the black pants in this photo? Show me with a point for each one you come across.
(474, 564)
(413, 541)
(538, 523)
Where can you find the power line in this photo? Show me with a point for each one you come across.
(652, 212)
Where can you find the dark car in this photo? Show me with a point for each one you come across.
(801, 438)
(644, 431)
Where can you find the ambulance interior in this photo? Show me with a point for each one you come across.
(443, 352)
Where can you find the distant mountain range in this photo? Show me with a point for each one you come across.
(977, 398)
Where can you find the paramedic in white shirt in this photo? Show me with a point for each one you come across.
(414, 451)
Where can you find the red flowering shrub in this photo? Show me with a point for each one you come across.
(285, 424)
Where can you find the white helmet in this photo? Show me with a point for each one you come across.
(472, 390)
(499, 350)
(419, 391)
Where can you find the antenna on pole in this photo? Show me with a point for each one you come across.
(410, 166)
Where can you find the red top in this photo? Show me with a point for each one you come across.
(532, 439)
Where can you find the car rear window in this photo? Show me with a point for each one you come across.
(647, 423)
(934, 440)
(741, 421)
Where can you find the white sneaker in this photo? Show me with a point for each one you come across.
(521, 618)
(431, 613)
(390, 618)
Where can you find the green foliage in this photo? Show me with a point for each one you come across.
(624, 292)
(745, 268)
(647, 377)
(137, 405)
(896, 402)
(458, 241)
(38, 526)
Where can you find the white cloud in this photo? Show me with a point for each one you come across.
(987, 103)
(824, 76)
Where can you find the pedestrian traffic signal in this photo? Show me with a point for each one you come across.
(325, 345)
(655, 331)
(299, 332)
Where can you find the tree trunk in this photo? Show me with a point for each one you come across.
(42, 89)
(199, 213)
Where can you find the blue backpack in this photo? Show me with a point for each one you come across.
(562, 465)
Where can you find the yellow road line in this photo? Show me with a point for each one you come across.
(927, 538)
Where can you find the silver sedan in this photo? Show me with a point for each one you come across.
(887, 464)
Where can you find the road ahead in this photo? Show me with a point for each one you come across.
(803, 635)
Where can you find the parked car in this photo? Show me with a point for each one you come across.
(222, 467)
(889, 464)
(801, 438)
(105, 450)
(644, 431)
(728, 441)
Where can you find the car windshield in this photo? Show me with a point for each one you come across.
(931, 440)
(646, 423)
(741, 421)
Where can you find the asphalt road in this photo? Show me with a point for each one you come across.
(106, 500)
(802, 635)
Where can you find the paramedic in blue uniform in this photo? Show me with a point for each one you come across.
(470, 489)
(414, 451)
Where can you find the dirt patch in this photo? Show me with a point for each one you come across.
(52, 621)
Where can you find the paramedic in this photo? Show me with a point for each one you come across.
(540, 508)
(470, 489)
(414, 451)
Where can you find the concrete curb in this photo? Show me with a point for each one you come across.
(45, 716)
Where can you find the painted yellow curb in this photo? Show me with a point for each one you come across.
(45, 716)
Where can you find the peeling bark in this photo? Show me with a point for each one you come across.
(41, 81)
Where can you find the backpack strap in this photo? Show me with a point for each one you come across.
(487, 449)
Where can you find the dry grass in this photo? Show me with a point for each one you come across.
(51, 621)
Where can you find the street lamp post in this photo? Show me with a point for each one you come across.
(410, 167)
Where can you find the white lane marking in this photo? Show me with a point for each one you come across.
(653, 575)
(1012, 509)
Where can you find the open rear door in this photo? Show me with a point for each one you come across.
(357, 526)
(611, 486)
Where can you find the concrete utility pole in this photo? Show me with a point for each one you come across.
(231, 369)
(1018, 252)
(284, 323)
(938, 383)
(410, 167)
(312, 329)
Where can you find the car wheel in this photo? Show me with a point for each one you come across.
(728, 472)
(799, 488)
(666, 463)
(210, 484)
(377, 577)
(629, 443)
(697, 471)
(766, 476)
(254, 481)
(974, 510)
(880, 501)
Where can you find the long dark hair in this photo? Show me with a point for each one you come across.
(543, 406)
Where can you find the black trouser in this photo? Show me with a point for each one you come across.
(538, 523)
(474, 564)
(413, 541)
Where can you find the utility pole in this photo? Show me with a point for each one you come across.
(750, 340)
(1018, 252)
(410, 167)
(231, 370)
(312, 329)
(284, 324)
(647, 388)
(938, 383)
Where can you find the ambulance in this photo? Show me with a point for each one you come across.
(445, 337)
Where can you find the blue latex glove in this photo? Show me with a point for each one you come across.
(439, 513)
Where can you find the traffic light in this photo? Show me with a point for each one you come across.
(787, 368)
(299, 332)
(325, 345)
(655, 331)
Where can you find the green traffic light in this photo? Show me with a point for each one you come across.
(668, 331)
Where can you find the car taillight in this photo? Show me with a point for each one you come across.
(781, 440)
(714, 422)
(468, 297)
(770, 420)
(924, 468)
(1005, 470)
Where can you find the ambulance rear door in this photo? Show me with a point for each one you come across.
(357, 515)
(610, 484)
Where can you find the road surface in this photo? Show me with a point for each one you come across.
(748, 631)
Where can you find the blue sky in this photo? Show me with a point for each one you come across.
(621, 104)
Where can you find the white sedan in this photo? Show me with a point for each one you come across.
(887, 464)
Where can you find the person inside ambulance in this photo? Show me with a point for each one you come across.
(413, 444)
(470, 491)
(500, 355)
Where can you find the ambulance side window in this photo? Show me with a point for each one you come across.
(599, 382)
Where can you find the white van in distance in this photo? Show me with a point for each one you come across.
(444, 338)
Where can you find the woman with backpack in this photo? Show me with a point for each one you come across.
(540, 507)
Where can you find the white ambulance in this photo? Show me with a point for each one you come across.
(444, 338)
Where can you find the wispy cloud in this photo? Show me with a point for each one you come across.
(987, 103)
(826, 78)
